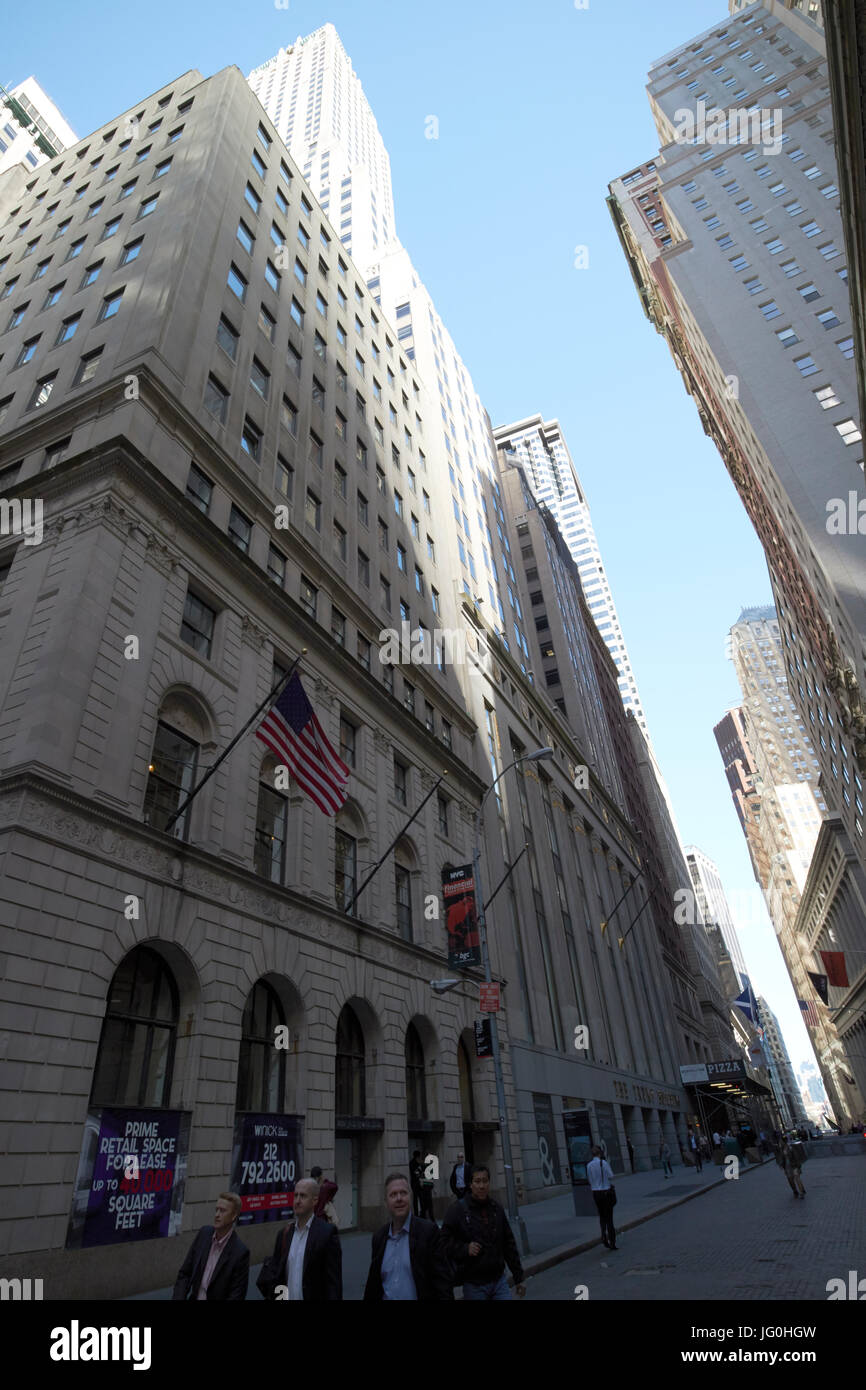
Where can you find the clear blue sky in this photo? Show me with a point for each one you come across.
(538, 107)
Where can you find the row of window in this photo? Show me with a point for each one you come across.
(199, 626)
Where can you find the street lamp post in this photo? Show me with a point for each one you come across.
(539, 755)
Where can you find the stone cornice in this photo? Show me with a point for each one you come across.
(32, 803)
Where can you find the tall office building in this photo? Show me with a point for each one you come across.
(32, 128)
(541, 449)
(772, 771)
(237, 458)
(734, 237)
(781, 1071)
(710, 894)
(315, 99)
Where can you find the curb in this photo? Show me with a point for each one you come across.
(558, 1254)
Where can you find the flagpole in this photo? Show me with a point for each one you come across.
(377, 866)
(621, 897)
(507, 874)
(632, 923)
(268, 700)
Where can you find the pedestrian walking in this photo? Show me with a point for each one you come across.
(665, 1156)
(328, 1190)
(717, 1139)
(307, 1263)
(217, 1265)
(697, 1156)
(416, 1169)
(600, 1175)
(791, 1161)
(630, 1148)
(461, 1174)
(409, 1261)
(480, 1243)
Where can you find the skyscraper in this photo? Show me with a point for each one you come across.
(540, 447)
(781, 1071)
(735, 240)
(484, 535)
(772, 771)
(32, 128)
(710, 894)
(315, 99)
(734, 237)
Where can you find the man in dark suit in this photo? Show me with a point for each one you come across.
(409, 1261)
(307, 1263)
(461, 1177)
(217, 1266)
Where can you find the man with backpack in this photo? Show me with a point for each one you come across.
(480, 1243)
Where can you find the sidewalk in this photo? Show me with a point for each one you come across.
(554, 1232)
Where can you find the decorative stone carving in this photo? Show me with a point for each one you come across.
(254, 635)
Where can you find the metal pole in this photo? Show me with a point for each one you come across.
(508, 872)
(396, 840)
(266, 702)
(505, 1138)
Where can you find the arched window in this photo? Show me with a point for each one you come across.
(272, 818)
(351, 1098)
(171, 778)
(136, 1048)
(345, 867)
(416, 1085)
(405, 860)
(464, 1069)
(261, 1066)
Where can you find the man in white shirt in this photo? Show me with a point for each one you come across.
(600, 1175)
(306, 1197)
(307, 1261)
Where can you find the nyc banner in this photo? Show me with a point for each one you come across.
(461, 918)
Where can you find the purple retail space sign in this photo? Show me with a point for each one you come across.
(130, 1177)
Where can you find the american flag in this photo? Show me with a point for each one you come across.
(809, 1012)
(292, 731)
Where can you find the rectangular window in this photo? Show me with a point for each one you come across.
(41, 392)
(260, 379)
(272, 276)
(251, 440)
(313, 511)
(240, 529)
(245, 237)
(216, 400)
(199, 489)
(68, 327)
(289, 417)
(147, 207)
(828, 318)
(277, 566)
(340, 541)
(284, 476)
(308, 597)
(236, 283)
(268, 324)
(401, 777)
(364, 569)
(364, 652)
(197, 626)
(87, 367)
(805, 365)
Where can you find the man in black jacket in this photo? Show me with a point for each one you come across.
(307, 1263)
(217, 1266)
(409, 1261)
(480, 1243)
(460, 1176)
